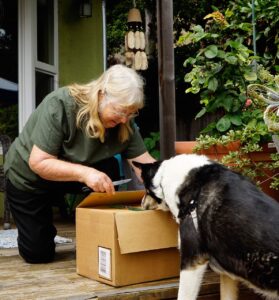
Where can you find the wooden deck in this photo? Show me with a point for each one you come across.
(58, 280)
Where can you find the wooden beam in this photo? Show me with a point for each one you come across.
(166, 77)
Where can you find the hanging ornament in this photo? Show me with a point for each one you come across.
(135, 56)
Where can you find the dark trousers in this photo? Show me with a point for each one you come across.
(32, 214)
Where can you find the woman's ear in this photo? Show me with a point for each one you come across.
(101, 95)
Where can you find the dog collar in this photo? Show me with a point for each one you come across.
(188, 210)
(195, 218)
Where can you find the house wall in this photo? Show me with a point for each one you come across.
(80, 46)
(80, 43)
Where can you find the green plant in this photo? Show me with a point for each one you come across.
(252, 136)
(249, 141)
(152, 144)
(219, 72)
(9, 121)
(266, 27)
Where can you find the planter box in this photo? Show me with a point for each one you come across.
(218, 151)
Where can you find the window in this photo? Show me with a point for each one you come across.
(38, 52)
(46, 63)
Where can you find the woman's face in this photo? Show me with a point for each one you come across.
(112, 114)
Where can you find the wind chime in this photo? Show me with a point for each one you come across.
(135, 56)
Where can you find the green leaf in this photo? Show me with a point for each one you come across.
(193, 90)
(241, 57)
(223, 124)
(200, 113)
(188, 77)
(250, 75)
(221, 53)
(245, 26)
(234, 44)
(212, 84)
(231, 59)
(211, 51)
(235, 120)
(190, 60)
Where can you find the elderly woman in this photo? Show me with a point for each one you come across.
(69, 141)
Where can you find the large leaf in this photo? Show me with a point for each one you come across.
(212, 84)
(231, 59)
(211, 51)
(235, 120)
(200, 113)
(250, 75)
(223, 124)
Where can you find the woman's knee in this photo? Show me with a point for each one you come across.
(37, 252)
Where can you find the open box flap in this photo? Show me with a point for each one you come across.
(122, 197)
(145, 230)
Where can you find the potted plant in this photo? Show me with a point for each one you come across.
(220, 73)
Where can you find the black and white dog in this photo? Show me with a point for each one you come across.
(225, 221)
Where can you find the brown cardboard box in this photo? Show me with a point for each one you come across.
(121, 244)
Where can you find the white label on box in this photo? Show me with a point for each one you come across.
(105, 262)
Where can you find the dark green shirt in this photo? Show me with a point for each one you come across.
(52, 127)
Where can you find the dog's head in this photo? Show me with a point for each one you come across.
(154, 197)
(165, 181)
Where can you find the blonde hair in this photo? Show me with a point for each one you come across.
(121, 85)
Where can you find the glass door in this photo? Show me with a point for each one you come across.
(38, 54)
(8, 67)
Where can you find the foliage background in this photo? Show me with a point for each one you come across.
(187, 13)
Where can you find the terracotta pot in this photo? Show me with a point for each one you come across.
(218, 151)
(215, 152)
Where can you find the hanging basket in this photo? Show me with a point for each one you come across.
(271, 118)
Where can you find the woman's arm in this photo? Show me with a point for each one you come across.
(50, 167)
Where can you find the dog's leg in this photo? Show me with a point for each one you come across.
(228, 288)
(190, 281)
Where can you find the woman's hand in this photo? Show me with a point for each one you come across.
(98, 181)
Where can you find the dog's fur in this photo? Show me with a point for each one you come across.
(224, 220)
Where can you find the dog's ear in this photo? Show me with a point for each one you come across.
(148, 170)
(137, 164)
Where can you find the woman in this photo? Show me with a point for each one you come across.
(69, 141)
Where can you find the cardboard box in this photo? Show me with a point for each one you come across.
(121, 244)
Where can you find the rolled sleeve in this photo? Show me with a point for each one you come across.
(49, 134)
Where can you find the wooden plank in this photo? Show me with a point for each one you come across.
(59, 280)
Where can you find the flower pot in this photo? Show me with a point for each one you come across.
(218, 151)
(215, 152)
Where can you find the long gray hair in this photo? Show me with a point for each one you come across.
(121, 85)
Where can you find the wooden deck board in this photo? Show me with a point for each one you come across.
(59, 280)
